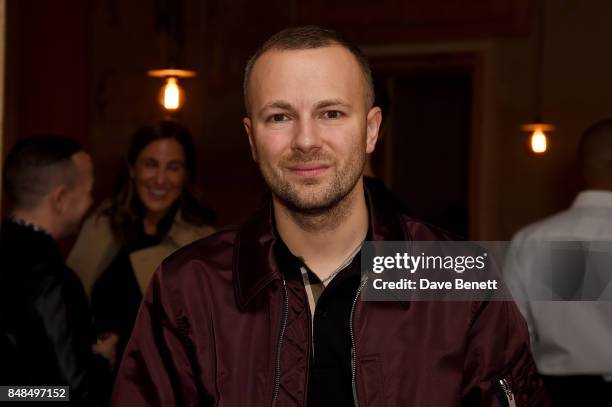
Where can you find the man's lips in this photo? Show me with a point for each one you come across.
(308, 170)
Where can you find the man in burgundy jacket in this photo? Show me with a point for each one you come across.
(269, 313)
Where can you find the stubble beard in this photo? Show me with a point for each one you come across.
(313, 198)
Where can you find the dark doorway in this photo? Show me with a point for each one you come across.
(425, 155)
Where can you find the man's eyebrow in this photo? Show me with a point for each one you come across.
(277, 104)
(284, 105)
(331, 102)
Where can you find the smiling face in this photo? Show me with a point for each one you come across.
(159, 175)
(309, 127)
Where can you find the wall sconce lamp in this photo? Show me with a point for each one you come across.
(171, 95)
(538, 140)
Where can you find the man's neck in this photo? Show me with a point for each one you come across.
(325, 240)
(37, 217)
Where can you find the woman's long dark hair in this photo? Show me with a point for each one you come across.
(126, 211)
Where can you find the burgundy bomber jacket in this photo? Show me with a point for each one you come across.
(221, 326)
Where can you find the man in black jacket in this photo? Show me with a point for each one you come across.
(270, 313)
(45, 325)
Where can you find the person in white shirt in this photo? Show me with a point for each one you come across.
(571, 340)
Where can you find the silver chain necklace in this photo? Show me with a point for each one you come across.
(342, 266)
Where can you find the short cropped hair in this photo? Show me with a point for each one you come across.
(310, 37)
(34, 166)
(595, 152)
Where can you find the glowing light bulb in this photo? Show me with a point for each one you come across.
(171, 94)
(539, 143)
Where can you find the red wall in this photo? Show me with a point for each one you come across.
(50, 71)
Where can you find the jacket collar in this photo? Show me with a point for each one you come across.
(182, 233)
(255, 264)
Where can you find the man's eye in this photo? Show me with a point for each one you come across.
(279, 117)
(332, 114)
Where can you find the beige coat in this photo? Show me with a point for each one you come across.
(96, 247)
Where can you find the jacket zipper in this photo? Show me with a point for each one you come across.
(277, 367)
(310, 349)
(354, 344)
(507, 392)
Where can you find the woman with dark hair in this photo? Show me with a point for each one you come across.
(154, 210)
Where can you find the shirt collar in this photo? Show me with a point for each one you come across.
(255, 264)
(32, 226)
(593, 198)
(290, 264)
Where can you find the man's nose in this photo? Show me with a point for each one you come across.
(307, 136)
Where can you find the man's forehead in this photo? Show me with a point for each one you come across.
(81, 157)
(330, 54)
(319, 73)
(82, 161)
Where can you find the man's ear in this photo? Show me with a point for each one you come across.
(373, 121)
(249, 131)
(57, 197)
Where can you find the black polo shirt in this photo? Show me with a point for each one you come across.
(330, 376)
